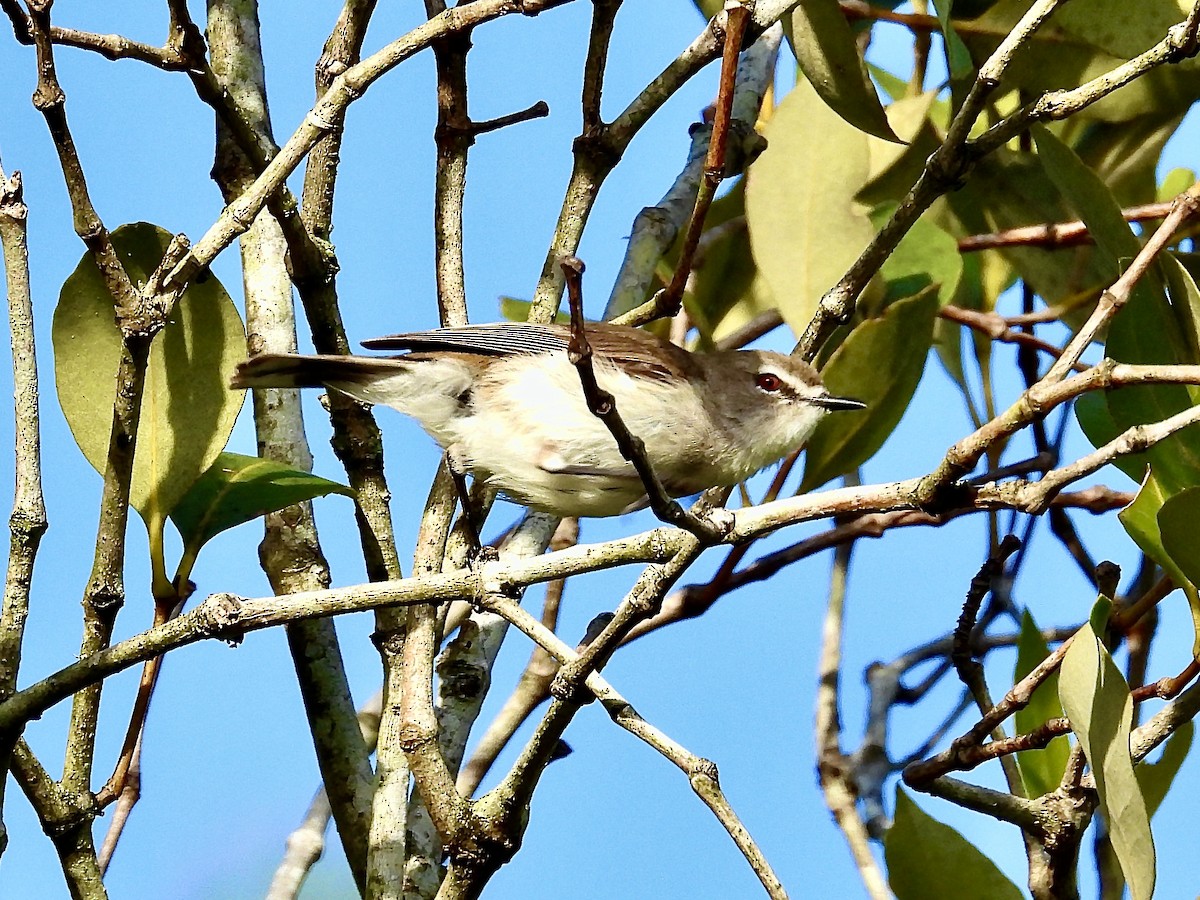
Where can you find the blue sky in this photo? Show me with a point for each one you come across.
(228, 766)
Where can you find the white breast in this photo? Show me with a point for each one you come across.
(531, 434)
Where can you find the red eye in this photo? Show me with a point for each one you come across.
(769, 382)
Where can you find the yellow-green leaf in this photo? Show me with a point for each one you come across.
(1041, 770)
(1177, 549)
(187, 408)
(1099, 427)
(1090, 198)
(1175, 183)
(1097, 701)
(927, 859)
(805, 227)
(513, 309)
(927, 255)
(1065, 53)
(828, 55)
(1008, 190)
(1119, 27)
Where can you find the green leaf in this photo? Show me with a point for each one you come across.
(513, 309)
(1089, 197)
(1008, 190)
(1140, 519)
(236, 489)
(1041, 770)
(1175, 183)
(927, 858)
(1185, 300)
(1060, 57)
(893, 85)
(1125, 154)
(1119, 27)
(1097, 700)
(1149, 330)
(187, 411)
(1091, 411)
(828, 55)
(896, 167)
(1155, 778)
(1143, 521)
(957, 55)
(805, 228)
(723, 291)
(1180, 547)
(927, 255)
(880, 363)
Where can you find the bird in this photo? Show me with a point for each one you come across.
(505, 402)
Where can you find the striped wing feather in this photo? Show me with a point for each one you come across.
(637, 352)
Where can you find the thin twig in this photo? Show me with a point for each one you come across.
(835, 770)
(738, 18)
(997, 328)
(1056, 234)
(701, 773)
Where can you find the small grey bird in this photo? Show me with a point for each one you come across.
(506, 404)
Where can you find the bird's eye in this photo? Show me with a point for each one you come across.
(769, 382)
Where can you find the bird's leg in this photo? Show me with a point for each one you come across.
(476, 550)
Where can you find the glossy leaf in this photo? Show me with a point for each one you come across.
(1097, 701)
(805, 227)
(927, 858)
(1155, 778)
(1177, 519)
(1149, 330)
(1185, 300)
(1140, 519)
(880, 363)
(828, 55)
(1041, 770)
(187, 411)
(237, 489)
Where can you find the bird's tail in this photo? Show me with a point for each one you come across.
(295, 370)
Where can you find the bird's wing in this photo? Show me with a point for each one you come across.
(494, 339)
(638, 352)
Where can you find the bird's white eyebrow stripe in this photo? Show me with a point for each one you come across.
(785, 387)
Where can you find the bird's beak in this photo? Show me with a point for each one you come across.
(828, 401)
